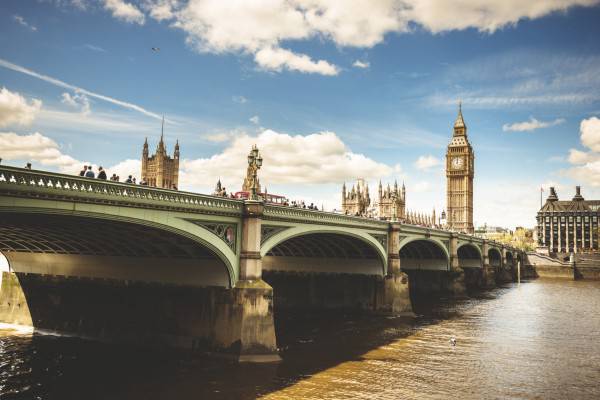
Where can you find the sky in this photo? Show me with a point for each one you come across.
(329, 90)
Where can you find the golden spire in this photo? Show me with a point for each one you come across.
(460, 122)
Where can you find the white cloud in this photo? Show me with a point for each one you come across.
(420, 187)
(588, 173)
(59, 83)
(125, 11)
(36, 148)
(218, 137)
(78, 101)
(255, 120)
(161, 9)
(587, 169)
(484, 15)
(590, 133)
(24, 23)
(361, 64)
(259, 27)
(427, 162)
(277, 59)
(15, 109)
(531, 125)
(315, 158)
(239, 99)
(518, 78)
(94, 48)
(126, 168)
(579, 157)
(45, 152)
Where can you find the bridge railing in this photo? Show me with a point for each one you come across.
(42, 184)
(307, 215)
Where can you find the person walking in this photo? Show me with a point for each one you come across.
(101, 173)
(129, 180)
(90, 173)
(83, 171)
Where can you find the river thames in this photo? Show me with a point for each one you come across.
(539, 339)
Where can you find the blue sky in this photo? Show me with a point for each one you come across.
(330, 91)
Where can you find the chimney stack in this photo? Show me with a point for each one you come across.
(578, 196)
(552, 196)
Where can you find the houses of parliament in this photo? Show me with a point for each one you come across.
(160, 170)
(391, 202)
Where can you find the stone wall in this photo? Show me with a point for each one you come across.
(300, 290)
(13, 304)
(236, 322)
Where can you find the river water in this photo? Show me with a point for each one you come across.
(536, 340)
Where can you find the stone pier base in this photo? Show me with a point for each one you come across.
(455, 284)
(237, 323)
(254, 302)
(504, 275)
(488, 278)
(394, 295)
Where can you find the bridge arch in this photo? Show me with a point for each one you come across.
(495, 257)
(469, 256)
(424, 254)
(56, 241)
(510, 259)
(361, 252)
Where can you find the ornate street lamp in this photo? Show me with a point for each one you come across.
(254, 163)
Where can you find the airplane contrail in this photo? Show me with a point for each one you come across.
(57, 82)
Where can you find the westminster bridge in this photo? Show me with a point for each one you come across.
(115, 261)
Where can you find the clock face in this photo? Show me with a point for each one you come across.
(457, 162)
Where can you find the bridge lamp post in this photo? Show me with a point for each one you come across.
(394, 210)
(255, 162)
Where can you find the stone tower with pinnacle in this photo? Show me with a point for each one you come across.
(460, 170)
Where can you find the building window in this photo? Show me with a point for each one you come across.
(562, 219)
(578, 219)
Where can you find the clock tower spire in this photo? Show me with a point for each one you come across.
(460, 170)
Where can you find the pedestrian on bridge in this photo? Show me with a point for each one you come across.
(90, 173)
(101, 173)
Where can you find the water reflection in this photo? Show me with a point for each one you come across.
(537, 340)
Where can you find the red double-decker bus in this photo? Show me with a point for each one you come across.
(267, 197)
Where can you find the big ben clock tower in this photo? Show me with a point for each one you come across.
(460, 169)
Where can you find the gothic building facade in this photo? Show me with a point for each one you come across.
(391, 204)
(160, 170)
(460, 170)
(356, 201)
(568, 226)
